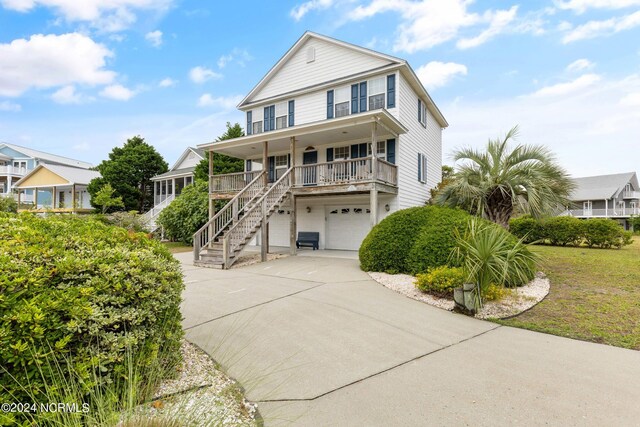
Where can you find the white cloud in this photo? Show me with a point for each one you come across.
(299, 11)
(154, 37)
(587, 129)
(83, 146)
(573, 86)
(581, 6)
(631, 100)
(428, 23)
(239, 56)
(580, 65)
(593, 29)
(107, 15)
(436, 74)
(167, 82)
(67, 95)
(51, 61)
(202, 74)
(117, 92)
(223, 102)
(498, 22)
(10, 106)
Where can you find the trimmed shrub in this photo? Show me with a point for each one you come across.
(387, 245)
(8, 204)
(527, 228)
(494, 292)
(78, 295)
(440, 281)
(563, 230)
(131, 220)
(436, 239)
(605, 233)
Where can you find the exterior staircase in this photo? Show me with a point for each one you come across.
(219, 243)
(150, 217)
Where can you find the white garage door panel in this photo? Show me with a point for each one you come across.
(347, 226)
(279, 228)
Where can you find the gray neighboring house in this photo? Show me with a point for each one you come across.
(614, 196)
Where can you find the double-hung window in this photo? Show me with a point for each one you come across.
(381, 150)
(376, 93)
(341, 97)
(281, 115)
(422, 113)
(341, 153)
(256, 123)
(422, 168)
(281, 163)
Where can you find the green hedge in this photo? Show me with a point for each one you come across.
(567, 230)
(76, 291)
(412, 240)
(187, 213)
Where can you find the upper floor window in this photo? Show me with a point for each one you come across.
(257, 127)
(341, 153)
(422, 113)
(376, 93)
(281, 115)
(342, 101)
(627, 188)
(381, 150)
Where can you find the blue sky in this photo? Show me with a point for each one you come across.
(79, 77)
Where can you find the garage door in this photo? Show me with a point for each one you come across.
(347, 226)
(279, 228)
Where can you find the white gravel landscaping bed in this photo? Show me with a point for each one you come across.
(518, 301)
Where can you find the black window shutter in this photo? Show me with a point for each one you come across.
(391, 91)
(355, 151)
(265, 127)
(249, 123)
(272, 117)
(419, 167)
(272, 168)
(249, 165)
(363, 149)
(288, 160)
(330, 104)
(354, 98)
(363, 97)
(291, 113)
(391, 151)
(329, 154)
(419, 110)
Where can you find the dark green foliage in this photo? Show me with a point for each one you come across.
(222, 164)
(527, 228)
(73, 290)
(129, 220)
(563, 230)
(436, 239)
(635, 223)
(129, 170)
(8, 204)
(187, 213)
(441, 281)
(391, 245)
(605, 233)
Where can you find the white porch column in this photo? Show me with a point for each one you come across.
(173, 187)
(374, 150)
(606, 207)
(264, 228)
(373, 216)
(293, 228)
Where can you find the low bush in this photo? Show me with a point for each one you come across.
(527, 228)
(8, 204)
(412, 240)
(75, 290)
(563, 230)
(494, 292)
(440, 281)
(131, 220)
(605, 233)
(187, 213)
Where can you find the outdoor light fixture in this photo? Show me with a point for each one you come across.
(387, 207)
(308, 209)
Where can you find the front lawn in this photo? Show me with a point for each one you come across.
(595, 295)
(177, 247)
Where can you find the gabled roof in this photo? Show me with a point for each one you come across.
(602, 187)
(72, 175)
(197, 151)
(52, 158)
(174, 172)
(404, 66)
(3, 157)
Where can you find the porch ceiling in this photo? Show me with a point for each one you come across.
(348, 128)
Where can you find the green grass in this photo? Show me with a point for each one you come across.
(177, 247)
(595, 295)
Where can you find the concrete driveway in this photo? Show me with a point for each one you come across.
(316, 342)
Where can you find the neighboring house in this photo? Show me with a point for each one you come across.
(58, 188)
(16, 161)
(606, 196)
(168, 185)
(337, 137)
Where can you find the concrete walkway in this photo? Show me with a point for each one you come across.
(316, 342)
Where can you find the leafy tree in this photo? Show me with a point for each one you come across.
(447, 171)
(221, 163)
(106, 199)
(187, 213)
(499, 180)
(8, 204)
(129, 170)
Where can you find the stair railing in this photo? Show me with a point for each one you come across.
(225, 216)
(238, 233)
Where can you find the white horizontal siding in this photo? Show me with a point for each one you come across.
(411, 192)
(331, 62)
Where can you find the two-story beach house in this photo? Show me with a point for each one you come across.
(16, 162)
(337, 137)
(614, 196)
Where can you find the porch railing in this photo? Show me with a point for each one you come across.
(230, 212)
(631, 195)
(12, 170)
(346, 172)
(231, 182)
(604, 213)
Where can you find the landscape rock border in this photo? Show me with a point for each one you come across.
(520, 299)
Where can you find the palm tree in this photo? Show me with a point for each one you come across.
(495, 182)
